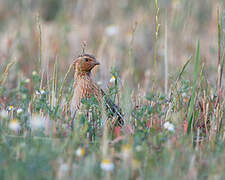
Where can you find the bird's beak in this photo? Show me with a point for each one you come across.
(97, 63)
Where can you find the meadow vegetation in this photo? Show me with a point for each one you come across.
(161, 62)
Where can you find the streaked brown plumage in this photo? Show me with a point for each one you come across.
(85, 87)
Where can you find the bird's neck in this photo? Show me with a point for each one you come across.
(82, 75)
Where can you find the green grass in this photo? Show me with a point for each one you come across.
(151, 152)
(178, 135)
(193, 96)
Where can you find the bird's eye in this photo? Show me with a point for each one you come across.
(86, 59)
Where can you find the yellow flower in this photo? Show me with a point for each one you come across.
(80, 152)
(107, 165)
(10, 108)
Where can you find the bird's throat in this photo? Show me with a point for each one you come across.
(82, 74)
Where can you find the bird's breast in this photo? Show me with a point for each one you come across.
(84, 88)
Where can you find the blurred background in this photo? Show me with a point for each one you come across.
(120, 34)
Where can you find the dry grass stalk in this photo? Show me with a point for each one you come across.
(5, 74)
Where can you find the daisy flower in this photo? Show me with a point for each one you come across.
(37, 122)
(113, 79)
(80, 152)
(169, 126)
(27, 80)
(40, 92)
(3, 113)
(14, 125)
(99, 83)
(10, 108)
(107, 165)
(126, 150)
(111, 30)
(19, 111)
(34, 73)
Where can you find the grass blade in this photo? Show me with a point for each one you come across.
(191, 105)
(184, 67)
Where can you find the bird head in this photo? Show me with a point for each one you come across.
(85, 63)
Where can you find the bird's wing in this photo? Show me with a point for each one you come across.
(113, 108)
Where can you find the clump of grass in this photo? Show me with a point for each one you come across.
(193, 96)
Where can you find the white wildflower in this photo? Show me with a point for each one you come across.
(99, 83)
(37, 92)
(80, 152)
(169, 126)
(27, 80)
(10, 108)
(37, 122)
(24, 96)
(112, 80)
(111, 30)
(41, 92)
(126, 151)
(14, 125)
(107, 165)
(34, 73)
(3, 113)
(64, 126)
(19, 111)
(138, 148)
